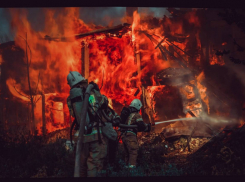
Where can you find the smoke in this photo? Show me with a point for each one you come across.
(102, 15)
(154, 11)
(226, 91)
(217, 122)
(5, 33)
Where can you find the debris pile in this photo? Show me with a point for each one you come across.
(174, 145)
(152, 138)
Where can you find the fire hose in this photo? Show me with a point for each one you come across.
(120, 125)
(81, 130)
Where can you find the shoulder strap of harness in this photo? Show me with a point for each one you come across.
(130, 118)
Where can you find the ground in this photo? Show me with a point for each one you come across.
(37, 157)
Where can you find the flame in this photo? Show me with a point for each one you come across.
(152, 91)
(1, 60)
(110, 103)
(54, 59)
(202, 90)
(192, 18)
(188, 91)
(216, 60)
(112, 60)
(241, 123)
(224, 43)
(116, 69)
(58, 113)
(54, 114)
(136, 23)
(12, 86)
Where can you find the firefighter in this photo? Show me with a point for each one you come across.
(94, 143)
(129, 136)
(112, 145)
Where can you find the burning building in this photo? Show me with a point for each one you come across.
(169, 63)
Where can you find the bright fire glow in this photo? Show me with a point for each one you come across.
(112, 59)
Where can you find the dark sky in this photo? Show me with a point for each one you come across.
(96, 15)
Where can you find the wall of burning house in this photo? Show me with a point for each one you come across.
(13, 113)
(15, 104)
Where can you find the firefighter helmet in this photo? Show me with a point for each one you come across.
(74, 78)
(136, 103)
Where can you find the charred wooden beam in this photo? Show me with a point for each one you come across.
(85, 60)
(146, 109)
(164, 50)
(137, 56)
(205, 41)
(43, 114)
(123, 28)
(118, 30)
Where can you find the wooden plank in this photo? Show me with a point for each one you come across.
(85, 60)
(43, 114)
(123, 28)
(137, 57)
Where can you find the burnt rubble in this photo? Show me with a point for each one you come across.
(175, 145)
(221, 154)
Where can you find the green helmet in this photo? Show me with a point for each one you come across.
(74, 78)
(136, 103)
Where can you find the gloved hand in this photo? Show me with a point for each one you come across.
(96, 87)
(116, 122)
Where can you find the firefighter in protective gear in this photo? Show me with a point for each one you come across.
(112, 145)
(129, 136)
(94, 143)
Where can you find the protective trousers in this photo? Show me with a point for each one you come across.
(131, 148)
(92, 158)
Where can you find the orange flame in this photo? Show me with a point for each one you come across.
(112, 59)
(224, 43)
(216, 60)
(202, 90)
(1, 60)
(151, 91)
(12, 86)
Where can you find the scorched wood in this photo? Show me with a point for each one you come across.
(118, 30)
